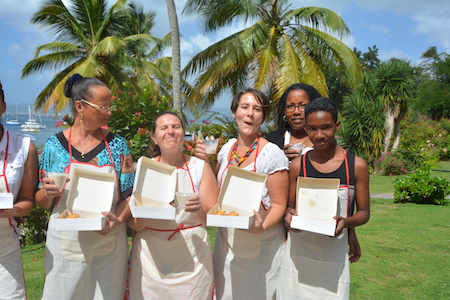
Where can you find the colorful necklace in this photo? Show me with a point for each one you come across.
(235, 153)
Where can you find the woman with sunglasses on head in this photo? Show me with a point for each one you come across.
(86, 264)
(19, 177)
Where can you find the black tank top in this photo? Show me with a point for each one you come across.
(338, 173)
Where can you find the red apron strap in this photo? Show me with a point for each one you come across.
(174, 231)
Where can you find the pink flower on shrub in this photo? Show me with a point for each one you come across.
(191, 121)
(118, 92)
(114, 98)
(390, 174)
(207, 123)
(444, 150)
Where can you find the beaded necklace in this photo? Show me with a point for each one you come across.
(240, 159)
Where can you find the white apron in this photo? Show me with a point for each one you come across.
(84, 264)
(11, 270)
(172, 259)
(316, 266)
(247, 265)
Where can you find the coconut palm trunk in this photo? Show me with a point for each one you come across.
(173, 20)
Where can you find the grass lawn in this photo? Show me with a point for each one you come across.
(385, 184)
(405, 253)
(405, 250)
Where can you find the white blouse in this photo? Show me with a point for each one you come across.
(18, 148)
(270, 159)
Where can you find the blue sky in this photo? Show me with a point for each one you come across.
(399, 28)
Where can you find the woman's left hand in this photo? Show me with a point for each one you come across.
(194, 204)
(112, 223)
(256, 226)
(340, 225)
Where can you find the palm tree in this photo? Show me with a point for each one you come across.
(90, 40)
(282, 46)
(362, 132)
(394, 84)
(176, 75)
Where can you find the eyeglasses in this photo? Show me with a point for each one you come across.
(292, 107)
(102, 109)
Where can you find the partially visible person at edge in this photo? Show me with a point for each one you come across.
(19, 176)
(171, 259)
(247, 262)
(290, 129)
(316, 266)
(86, 264)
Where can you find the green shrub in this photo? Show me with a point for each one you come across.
(401, 161)
(421, 188)
(133, 117)
(34, 226)
(432, 138)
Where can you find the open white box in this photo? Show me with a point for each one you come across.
(91, 192)
(6, 201)
(241, 192)
(154, 189)
(317, 200)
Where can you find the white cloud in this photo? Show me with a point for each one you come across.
(395, 53)
(435, 24)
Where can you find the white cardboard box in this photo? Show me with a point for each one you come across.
(241, 192)
(6, 201)
(154, 190)
(317, 200)
(90, 193)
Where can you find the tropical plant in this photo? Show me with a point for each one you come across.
(94, 41)
(422, 188)
(434, 94)
(33, 229)
(133, 117)
(176, 69)
(394, 83)
(362, 130)
(281, 47)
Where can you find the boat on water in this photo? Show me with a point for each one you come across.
(29, 130)
(13, 122)
(16, 121)
(31, 125)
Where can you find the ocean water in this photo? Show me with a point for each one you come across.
(39, 137)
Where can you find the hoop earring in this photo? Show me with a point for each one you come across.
(284, 118)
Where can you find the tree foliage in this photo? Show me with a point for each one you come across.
(362, 132)
(281, 46)
(112, 44)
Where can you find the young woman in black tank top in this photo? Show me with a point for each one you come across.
(307, 253)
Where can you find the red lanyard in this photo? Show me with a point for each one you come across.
(347, 176)
(104, 140)
(109, 153)
(229, 160)
(187, 169)
(254, 166)
(5, 161)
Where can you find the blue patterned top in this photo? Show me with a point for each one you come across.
(55, 158)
